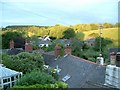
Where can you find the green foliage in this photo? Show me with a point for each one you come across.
(104, 43)
(85, 46)
(55, 85)
(90, 56)
(50, 48)
(80, 36)
(35, 77)
(6, 37)
(69, 33)
(76, 47)
(57, 31)
(35, 46)
(23, 62)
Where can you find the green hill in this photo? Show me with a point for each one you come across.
(111, 33)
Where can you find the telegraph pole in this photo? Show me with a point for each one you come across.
(101, 27)
(100, 59)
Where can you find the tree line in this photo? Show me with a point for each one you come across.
(57, 30)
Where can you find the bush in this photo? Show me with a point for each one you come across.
(23, 62)
(56, 85)
(35, 77)
(50, 48)
(104, 43)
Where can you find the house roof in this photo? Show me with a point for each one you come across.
(80, 70)
(14, 51)
(64, 41)
(49, 57)
(44, 42)
(90, 40)
(6, 72)
(90, 84)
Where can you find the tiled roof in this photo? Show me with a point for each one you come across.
(14, 51)
(80, 70)
(90, 84)
(49, 57)
(90, 40)
(44, 42)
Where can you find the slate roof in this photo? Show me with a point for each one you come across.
(79, 69)
(6, 72)
(64, 41)
(49, 57)
(90, 40)
(90, 84)
(44, 42)
(14, 51)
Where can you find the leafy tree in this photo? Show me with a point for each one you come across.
(6, 37)
(104, 43)
(19, 42)
(23, 62)
(76, 47)
(69, 33)
(80, 36)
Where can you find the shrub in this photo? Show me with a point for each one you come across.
(35, 77)
(23, 62)
(55, 85)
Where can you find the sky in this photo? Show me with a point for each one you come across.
(51, 12)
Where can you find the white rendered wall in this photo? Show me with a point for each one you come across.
(112, 76)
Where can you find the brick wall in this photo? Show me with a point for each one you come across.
(57, 50)
(11, 44)
(68, 50)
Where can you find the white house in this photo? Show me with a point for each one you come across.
(45, 38)
(45, 41)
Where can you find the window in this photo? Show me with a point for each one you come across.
(5, 80)
(20, 75)
(12, 78)
(58, 69)
(66, 77)
(8, 79)
(6, 86)
(13, 84)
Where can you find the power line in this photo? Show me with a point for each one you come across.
(34, 13)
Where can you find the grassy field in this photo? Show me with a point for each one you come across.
(111, 33)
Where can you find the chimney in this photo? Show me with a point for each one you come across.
(68, 50)
(28, 47)
(11, 44)
(113, 58)
(57, 50)
(100, 60)
(112, 76)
